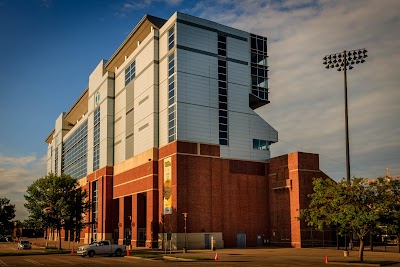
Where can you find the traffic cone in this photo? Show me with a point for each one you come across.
(72, 251)
(326, 259)
(216, 256)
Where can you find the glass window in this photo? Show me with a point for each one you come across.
(74, 151)
(261, 144)
(130, 72)
(96, 140)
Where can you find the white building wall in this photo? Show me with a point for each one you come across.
(197, 89)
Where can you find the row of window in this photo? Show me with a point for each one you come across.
(259, 67)
(171, 99)
(75, 137)
(96, 140)
(74, 155)
(56, 161)
(130, 72)
(222, 91)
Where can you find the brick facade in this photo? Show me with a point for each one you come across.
(225, 196)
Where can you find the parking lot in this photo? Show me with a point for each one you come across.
(226, 257)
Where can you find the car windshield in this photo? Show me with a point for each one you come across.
(24, 242)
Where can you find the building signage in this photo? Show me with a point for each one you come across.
(167, 186)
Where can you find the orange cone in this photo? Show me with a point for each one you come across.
(72, 251)
(216, 256)
(326, 259)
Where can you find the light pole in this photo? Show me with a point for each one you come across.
(343, 61)
(185, 214)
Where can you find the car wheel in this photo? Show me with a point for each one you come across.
(118, 253)
(91, 253)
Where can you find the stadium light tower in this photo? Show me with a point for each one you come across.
(344, 61)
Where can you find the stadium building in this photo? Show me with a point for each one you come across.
(166, 142)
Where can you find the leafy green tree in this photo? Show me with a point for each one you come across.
(359, 206)
(57, 202)
(7, 213)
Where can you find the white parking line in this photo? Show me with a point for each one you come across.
(2, 263)
(101, 261)
(34, 262)
(66, 262)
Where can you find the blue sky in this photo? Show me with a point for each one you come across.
(49, 48)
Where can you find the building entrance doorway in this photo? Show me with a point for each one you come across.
(241, 240)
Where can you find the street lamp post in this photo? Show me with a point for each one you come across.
(345, 61)
(185, 214)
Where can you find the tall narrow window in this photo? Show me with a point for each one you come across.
(222, 91)
(171, 99)
(56, 161)
(171, 37)
(259, 67)
(130, 72)
(96, 139)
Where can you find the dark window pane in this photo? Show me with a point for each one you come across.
(223, 106)
(260, 44)
(222, 70)
(171, 85)
(223, 135)
(223, 127)
(223, 120)
(223, 113)
(222, 84)
(223, 142)
(254, 58)
(171, 101)
(221, 38)
(223, 98)
(222, 52)
(222, 77)
(253, 42)
(222, 91)
(256, 143)
(222, 63)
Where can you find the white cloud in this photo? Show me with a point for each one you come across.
(16, 174)
(307, 101)
(129, 6)
(16, 161)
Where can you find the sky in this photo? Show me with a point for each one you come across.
(49, 48)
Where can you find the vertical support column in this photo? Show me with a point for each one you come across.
(121, 223)
(152, 219)
(134, 220)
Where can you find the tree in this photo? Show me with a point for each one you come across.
(7, 213)
(57, 202)
(360, 206)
